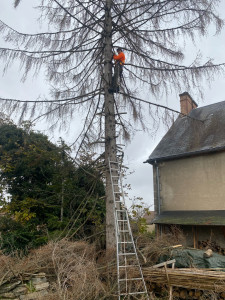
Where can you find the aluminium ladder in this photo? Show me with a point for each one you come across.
(130, 280)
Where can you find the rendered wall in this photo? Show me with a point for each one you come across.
(196, 183)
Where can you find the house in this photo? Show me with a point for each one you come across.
(189, 174)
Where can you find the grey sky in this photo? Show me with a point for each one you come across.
(23, 19)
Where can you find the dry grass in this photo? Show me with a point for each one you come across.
(154, 248)
(70, 267)
(73, 272)
(5, 268)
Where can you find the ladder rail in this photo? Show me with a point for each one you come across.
(116, 229)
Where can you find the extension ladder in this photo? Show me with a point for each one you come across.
(130, 280)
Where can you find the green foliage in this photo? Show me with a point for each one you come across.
(138, 212)
(30, 287)
(46, 190)
(16, 237)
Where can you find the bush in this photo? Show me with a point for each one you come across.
(16, 237)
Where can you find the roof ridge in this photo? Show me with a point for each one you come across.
(205, 106)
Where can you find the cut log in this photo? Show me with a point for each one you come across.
(208, 253)
(176, 294)
(198, 294)
(183, 294)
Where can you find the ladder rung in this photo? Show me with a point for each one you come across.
(116, 176)
(121, 210)
(125, 242)
(124, 231)
(130, 279)
(113, 162)
(117, 193)
(137, 293)
(122, 220)
(129, 266)
(114, 169)
(127, 253)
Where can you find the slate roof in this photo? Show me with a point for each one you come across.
(201, 217)
(203, 130)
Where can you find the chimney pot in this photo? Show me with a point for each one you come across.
(186, 103)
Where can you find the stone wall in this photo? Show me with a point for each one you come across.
(34, 287)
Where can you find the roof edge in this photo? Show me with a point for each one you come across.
(152, 161)
(192, 217)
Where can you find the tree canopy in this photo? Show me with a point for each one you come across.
(74, 52)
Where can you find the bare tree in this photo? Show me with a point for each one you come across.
(76, 53)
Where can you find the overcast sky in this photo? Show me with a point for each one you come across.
(136, 152)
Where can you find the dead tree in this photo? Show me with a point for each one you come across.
(77, 56)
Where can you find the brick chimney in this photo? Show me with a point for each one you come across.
(186, 103)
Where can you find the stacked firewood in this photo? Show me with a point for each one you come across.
(202, 245)
(186, 283)
(180, 293)
(188, 278)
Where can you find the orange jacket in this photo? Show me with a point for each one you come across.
(120, 57)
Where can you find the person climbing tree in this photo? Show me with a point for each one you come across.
(119, 60)
(118, 70)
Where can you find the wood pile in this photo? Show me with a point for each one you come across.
(160, 291)
(198, 279)
(202, 245)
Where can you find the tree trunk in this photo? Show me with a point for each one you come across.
(110, 135)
